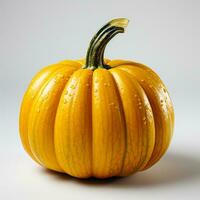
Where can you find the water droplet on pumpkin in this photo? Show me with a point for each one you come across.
(140, 107)
(72, 86)
(87, 84)
(144, 118)
(117, 107)
(111, 104)
(142, 80)
(145, 122)
(139, 103)
(135, 95)
(55, 80)
(150, 86)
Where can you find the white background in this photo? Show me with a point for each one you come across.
(162, 34)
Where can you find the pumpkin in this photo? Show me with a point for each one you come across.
(97, 117)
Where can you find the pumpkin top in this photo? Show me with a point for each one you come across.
(95, 53)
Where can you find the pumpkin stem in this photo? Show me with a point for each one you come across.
(95, 53)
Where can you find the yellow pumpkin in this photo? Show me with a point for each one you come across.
(97, 118)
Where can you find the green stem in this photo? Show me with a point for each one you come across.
(95, 53)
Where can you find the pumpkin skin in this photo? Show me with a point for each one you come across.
(96, 123)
